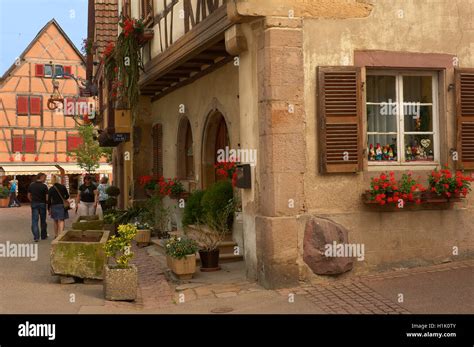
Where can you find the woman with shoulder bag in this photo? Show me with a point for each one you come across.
(58, 204)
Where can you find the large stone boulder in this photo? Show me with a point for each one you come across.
(318, 233)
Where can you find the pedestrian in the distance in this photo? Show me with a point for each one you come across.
(58, 204)
(13, 199)
(38, 195)
(102, 187)
(87, 199)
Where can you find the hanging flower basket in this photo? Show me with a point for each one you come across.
(145, 36)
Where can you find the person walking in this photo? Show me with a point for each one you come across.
(57, 201)
(87, 199)
(38, 195)
(13, 199)
(102, 188)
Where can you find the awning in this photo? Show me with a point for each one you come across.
(72, 169)
(11, 170)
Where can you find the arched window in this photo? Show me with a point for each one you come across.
(185, 150)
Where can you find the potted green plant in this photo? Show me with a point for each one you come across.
(113, 192)
(218, 207)
(4, 196)
(121, 278)
(143, 236)
(111, 218)
(181, 256)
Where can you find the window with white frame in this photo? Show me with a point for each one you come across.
(402, 117)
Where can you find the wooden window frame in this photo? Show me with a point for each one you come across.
(148, 17)
(23, 143)
(399, 73)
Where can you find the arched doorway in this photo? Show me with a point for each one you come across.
(216, 136)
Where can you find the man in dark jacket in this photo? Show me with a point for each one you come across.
(38, 195)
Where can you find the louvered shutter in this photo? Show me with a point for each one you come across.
(17, 144)
(35, 105)
(157, 135)
(465, 117)
(340, 119)
(30, 144)
(73, 141)
(67, 70)
(39, 70)
(21, 104)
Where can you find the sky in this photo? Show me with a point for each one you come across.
(21, 20)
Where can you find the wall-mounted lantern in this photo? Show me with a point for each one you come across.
(244, 176)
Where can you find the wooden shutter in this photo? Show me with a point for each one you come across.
(17, 144)
(35, 105)
(340, 119)
(39, 70)
(465, 117)
(21, 104)
(67, 70)
(30, 144)
(157, 135)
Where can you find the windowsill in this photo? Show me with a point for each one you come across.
(421, 166)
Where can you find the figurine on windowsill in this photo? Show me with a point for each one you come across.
(384, 153)
(390, 154)
(378, 152)
(371, 152)
(408, 152)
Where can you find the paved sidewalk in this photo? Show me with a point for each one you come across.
(28, 287)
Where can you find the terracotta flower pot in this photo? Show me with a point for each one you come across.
(4, 202)
(183, 268)
(209, 260)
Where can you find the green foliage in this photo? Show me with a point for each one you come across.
(111, 202)
(118, 246)
(89, 152)
(112, 191)
(179, 247)
(4, 192)
(193, 209)
(216, 199)
(157, 214)
(111, 216)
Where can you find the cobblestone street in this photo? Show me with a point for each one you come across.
(28, 287)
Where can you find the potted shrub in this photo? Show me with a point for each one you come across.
(113, 192)
(143, 236)
(213, 229)
(121, 278)
(158, 216)
(4, 196)
(181, 256)
(193, 211)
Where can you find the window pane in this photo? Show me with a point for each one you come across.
(48, 70)
(58, 71)
(382, 148)
(381, 88)
(418, 118)
(419, 148)
(382, 118)
(417, 89)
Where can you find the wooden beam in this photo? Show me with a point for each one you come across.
(209, 32)
(193, 78)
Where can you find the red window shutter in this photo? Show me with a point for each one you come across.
(67, 70)
(35, 105)
(73, 141)
(39, 70)
(157, 134)
(17, 144)
(30, 144)
(340, 119)
(465, 117)
(22, 104)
